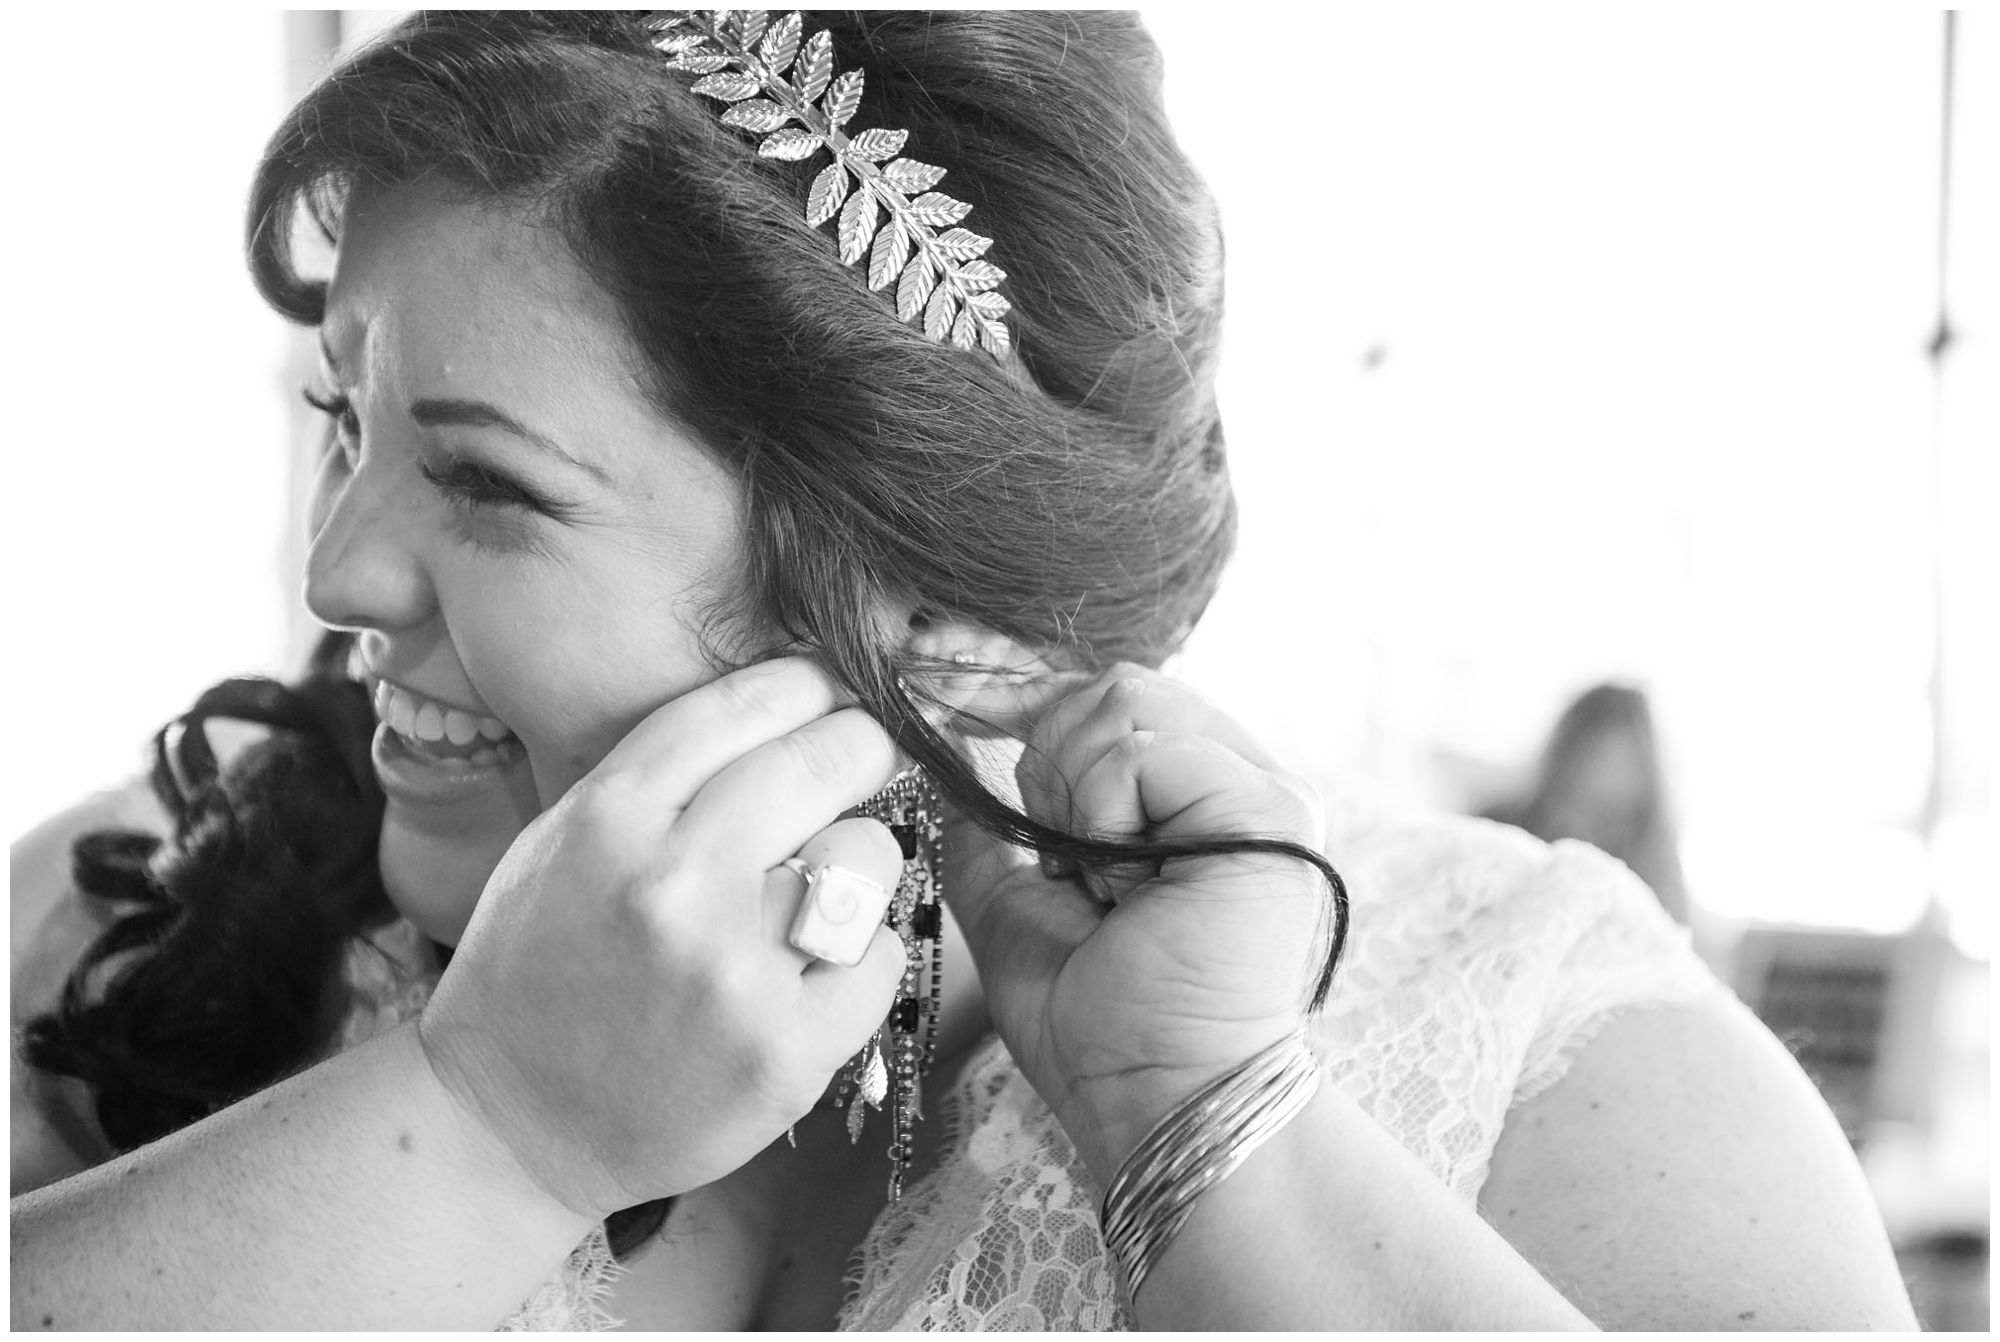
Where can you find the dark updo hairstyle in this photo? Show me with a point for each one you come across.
(1073, 498)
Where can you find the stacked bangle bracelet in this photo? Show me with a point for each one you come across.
(1196, 1147)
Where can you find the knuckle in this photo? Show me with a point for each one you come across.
(741, 987)
(1306, 791)
(751, 691)
(866, 741)
(1132, 746)
(757, 1057)
(595, 810)
(814, 755)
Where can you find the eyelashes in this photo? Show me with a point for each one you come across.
(464, 482)
(476, 486)
(342, 423)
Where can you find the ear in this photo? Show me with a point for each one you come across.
(993, 684)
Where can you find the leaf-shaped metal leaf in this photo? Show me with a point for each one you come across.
(889, 253)
(961, 244)
(730, 86)
(829, 189)
(815, 65)
(978, 276)
(936, 208)
(911, 177)
(772, 73)
(843, 98)
(962, 330)
(939, 312)
(759, 114)
(781, 43)
(994, 337)
(698, 62)
(876, 145)
(856, 1113)
(915, 286)
(874, 1086)
(790, 144)
(857, 225)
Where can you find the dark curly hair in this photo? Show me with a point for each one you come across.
(1074, 498)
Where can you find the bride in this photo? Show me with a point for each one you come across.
(732, 863)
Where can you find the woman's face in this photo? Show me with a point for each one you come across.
(527, 550)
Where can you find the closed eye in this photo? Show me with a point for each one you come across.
(337, 408)
(475, 486)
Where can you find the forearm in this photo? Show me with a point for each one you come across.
(1331, 1224)
(354, 1195)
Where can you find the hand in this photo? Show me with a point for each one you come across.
(1122, 997)
(624, 1013)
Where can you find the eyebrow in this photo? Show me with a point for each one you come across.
(441, 412)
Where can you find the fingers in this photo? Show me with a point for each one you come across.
(1170, 783)
(842, 882)
(852, 999)
(859, 843)
(1123, 712)
(849, 1003)
(676, 749)
(764, 807)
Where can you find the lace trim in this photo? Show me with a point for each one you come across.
(1632, 957)
(1483, 961)
(1002, 1236)
(575, 1299)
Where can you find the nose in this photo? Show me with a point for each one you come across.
(366, 568)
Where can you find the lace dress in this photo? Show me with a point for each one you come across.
(1479, 962)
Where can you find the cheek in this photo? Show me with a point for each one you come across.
(435, 866)
(578, 696)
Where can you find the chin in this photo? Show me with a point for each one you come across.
(435, 879)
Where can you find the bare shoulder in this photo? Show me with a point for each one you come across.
(50, 925)
(1684, 1174)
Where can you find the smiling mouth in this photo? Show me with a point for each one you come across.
(440, 732)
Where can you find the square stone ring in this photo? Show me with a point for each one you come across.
(837, 919)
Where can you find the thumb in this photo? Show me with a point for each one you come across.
(1017, 921)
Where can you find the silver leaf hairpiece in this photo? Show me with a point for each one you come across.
(770, 77)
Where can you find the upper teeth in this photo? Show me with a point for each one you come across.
(426, 720)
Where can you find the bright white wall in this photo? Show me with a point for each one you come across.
(1577, 343)
(146, 472)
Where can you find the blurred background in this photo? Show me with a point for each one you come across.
(1613, 394)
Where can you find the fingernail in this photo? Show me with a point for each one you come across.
(1056, 867)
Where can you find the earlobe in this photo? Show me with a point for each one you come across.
(990, 684)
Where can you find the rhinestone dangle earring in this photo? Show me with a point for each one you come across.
(909, 806)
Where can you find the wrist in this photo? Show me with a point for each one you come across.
(476, 1151)
(1107, 1119)
(1198, 1146)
